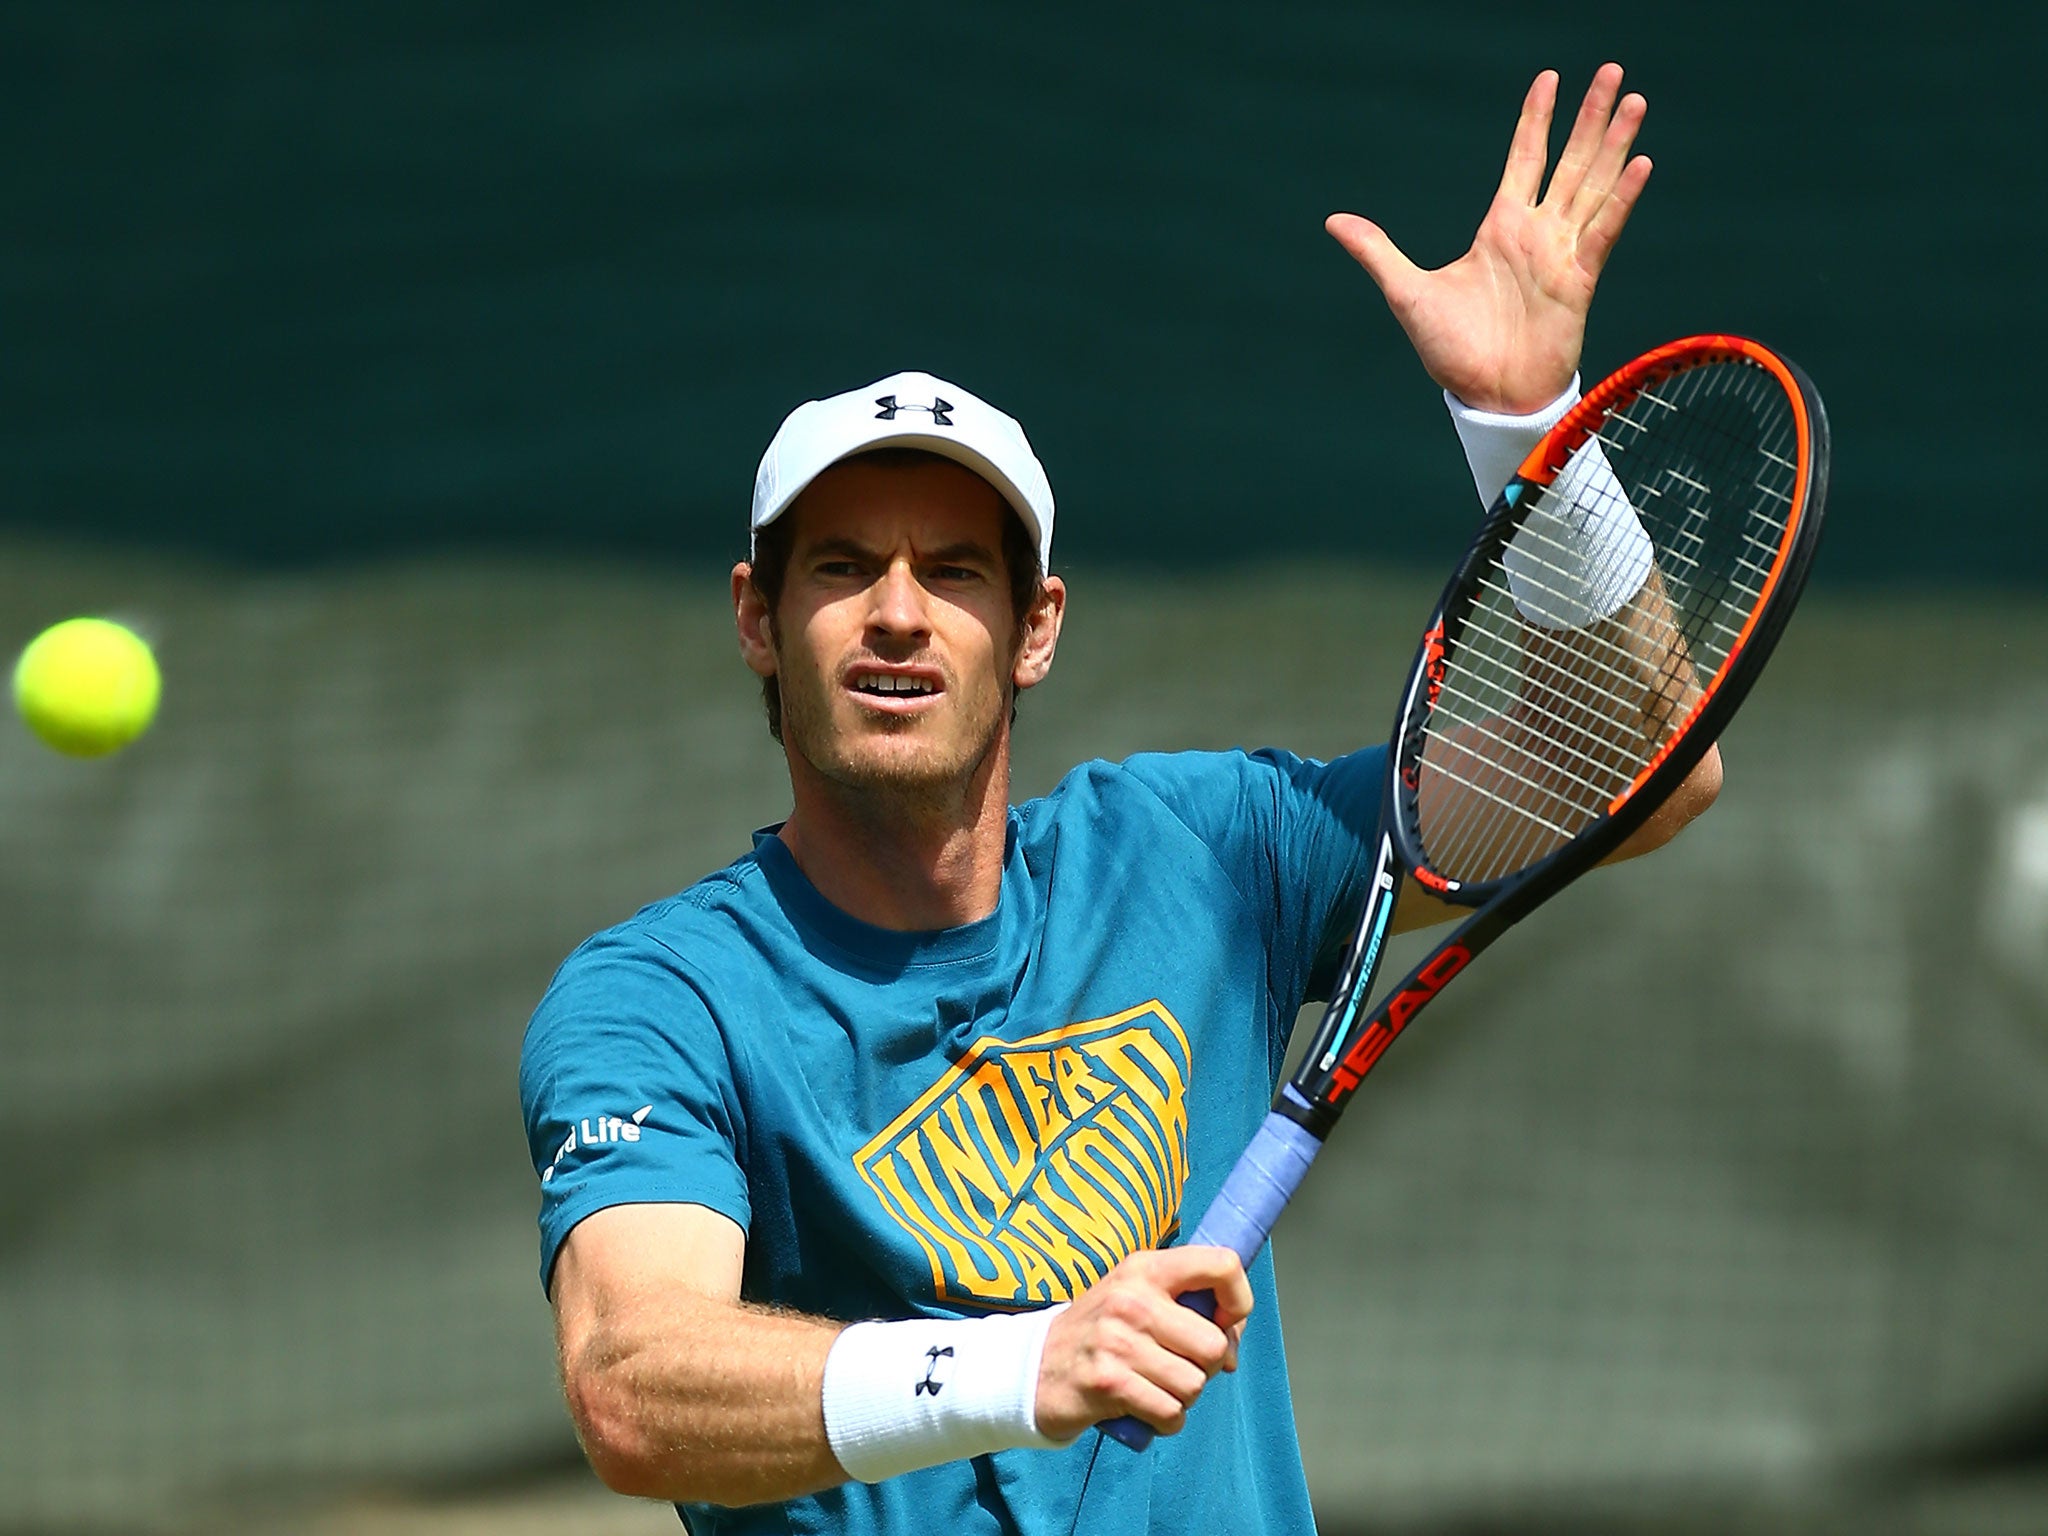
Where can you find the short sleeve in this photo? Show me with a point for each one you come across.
(628, 1090)
(1294, 836)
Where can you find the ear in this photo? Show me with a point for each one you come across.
(754, 621)
(1041, 634)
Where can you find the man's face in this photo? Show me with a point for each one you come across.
(894, 644)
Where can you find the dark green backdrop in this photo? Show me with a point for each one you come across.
(293, 282)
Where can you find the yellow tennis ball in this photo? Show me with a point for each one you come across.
(87, 686)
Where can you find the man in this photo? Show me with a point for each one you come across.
(949, 1070)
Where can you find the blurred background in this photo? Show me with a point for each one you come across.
(401, 371)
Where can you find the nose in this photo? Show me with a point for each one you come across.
(897, 602)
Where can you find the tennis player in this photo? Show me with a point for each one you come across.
(860, 1159)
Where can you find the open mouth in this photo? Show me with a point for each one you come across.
(893, 685)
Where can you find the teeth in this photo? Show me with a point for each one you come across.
(882, 682)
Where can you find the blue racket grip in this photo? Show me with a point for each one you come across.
(1241, 1219)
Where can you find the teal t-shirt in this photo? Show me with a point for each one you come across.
(982, 1118)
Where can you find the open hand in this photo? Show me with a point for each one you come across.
(1501, 327)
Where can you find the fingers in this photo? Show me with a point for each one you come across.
(1128, 1346)
(1596, 241)
(1396, 275)
(1589, 128)
(1168, 1274)
(1167, 1381)
(1132, 1354)
(1218, 1271)
(1529, 151)
(1604, 173)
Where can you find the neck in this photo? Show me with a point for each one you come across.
(909, 860)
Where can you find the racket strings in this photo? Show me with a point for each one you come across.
(1585, 662)
(1648, 704)
(1532, 733)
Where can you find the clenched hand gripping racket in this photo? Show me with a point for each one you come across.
(1573, 674)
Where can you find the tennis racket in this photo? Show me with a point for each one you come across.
(1619, 600)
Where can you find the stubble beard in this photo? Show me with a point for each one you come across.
(891, 783)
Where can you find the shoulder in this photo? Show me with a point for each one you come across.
(1257, 812)
(673, 963)
(688, 932)
(1155, 776)
(1182, 784)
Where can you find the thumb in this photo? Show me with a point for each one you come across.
(1372, 250)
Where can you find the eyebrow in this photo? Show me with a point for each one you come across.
(964, 550)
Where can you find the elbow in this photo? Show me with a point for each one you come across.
(633, 1455)
(614, 1440)
(1702, 787)
(1699, 790)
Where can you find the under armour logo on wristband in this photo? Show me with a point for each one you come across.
(931, 1382)
(938, 409)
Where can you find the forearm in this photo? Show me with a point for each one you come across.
(702, 1400)
(680, 1391)
(707, 1400)
(1649, 689)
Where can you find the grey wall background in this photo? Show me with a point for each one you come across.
(291, 282)
(1712, 1203)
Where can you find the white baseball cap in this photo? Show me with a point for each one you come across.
(906, 410)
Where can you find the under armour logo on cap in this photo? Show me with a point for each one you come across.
(938, 408)
(957, 424)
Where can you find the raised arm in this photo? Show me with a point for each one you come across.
(1501, 327)
(1500, 330)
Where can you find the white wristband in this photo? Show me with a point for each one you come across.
(899, 1396)
(1581, 552)
(1495, 443)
